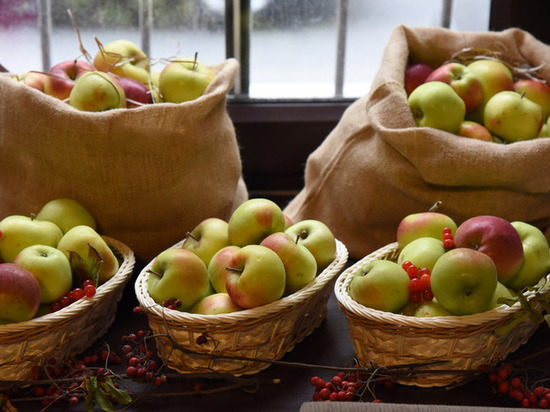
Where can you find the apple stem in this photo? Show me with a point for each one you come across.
(33, 216)
(523, 94)
(195, 65)
(154, 273)
(192, 236)
(435, 206)
(236, 270)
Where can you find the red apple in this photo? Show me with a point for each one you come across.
(497, 238)
(215, 304)
(19, 294)
(474, 130)
(61, 77)
(463, 81)
(36, 80)
(415, 75)
(137, 94)
(536, 91)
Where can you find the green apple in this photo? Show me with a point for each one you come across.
(183, 80)
(51, 267)
(124, 58)
(435, 104)
(423, 224)
(300, 264)
(464, 281)
(255, 276)
(422, 252)
(503, 292)
(77, 244)
(497, 238)
(536, 257)
(317, 237)
(66, 213)
(178, 274)
(96, 92)
(207, 238)
(380, 284)
(253, 220)
(18, 231)
(426, 308)
(33, 79)
(217, 265)
(495, 77)
(513, 117)
(19, 294)
(463, 81)
(215, 304)
(537, 91)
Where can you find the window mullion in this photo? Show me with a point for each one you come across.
(237, 32)
(146, 24)
(341, 47)
(45, 31)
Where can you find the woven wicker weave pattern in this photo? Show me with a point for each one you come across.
(461, 342)
(68, 331)
(266, 332)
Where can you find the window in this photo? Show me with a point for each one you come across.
(289, 49)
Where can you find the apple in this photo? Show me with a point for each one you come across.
(475, 130)
(426, 308)
(544, 130)
(381, 285)
(178, 274)
(217, 265)
(415, 75)
(124, 58)
(463, 81)
(536, 257)
(422, 252)
(215, 304)
(288, 222)
(495, 77)
(255, 276)
(537, 91)
(33, 79)
(18, 231)
(66, 213)
(423, 224)
(78, 244)
(61, 77)
(513, 117)
(253, 220)
(96, 92)
(318, 238)
(184, 80)
(437, 105)
(51, 267)
(137, 94)
(207, 238)
(501, 292)
(497, 238)
(464, 280)
(300, 264)
(19, 294)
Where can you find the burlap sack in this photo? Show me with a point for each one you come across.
(147, 174)
(376, 166)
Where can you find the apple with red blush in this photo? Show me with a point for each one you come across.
(475, 130)
(61, 77)
(19, 294)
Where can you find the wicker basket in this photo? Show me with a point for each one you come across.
(68, 331)
(456, 342)
(265, 332)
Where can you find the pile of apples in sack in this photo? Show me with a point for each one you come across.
(255, 258)
(484, 99)
(50, 260)
(445, 270)
(120, 76)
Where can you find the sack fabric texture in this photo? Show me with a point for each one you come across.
(376, 166)
(147, 174)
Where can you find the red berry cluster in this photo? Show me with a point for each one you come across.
(342, 388)
(508, 383)
(448, 239)
(88, 290)
(172, 303)
(142, 366)
(419, 283)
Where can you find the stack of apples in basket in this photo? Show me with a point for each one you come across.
(480, 97)
(445, 270)
(255, 258)
(50, 260)
(120, 76)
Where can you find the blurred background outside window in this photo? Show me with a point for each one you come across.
(289, 48)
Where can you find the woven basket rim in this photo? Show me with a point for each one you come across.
(350, 306)
(154, 309)
(76, 308)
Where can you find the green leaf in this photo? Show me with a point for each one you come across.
(85, 268)
(90, 393)
(102, 399)
(120, 395)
